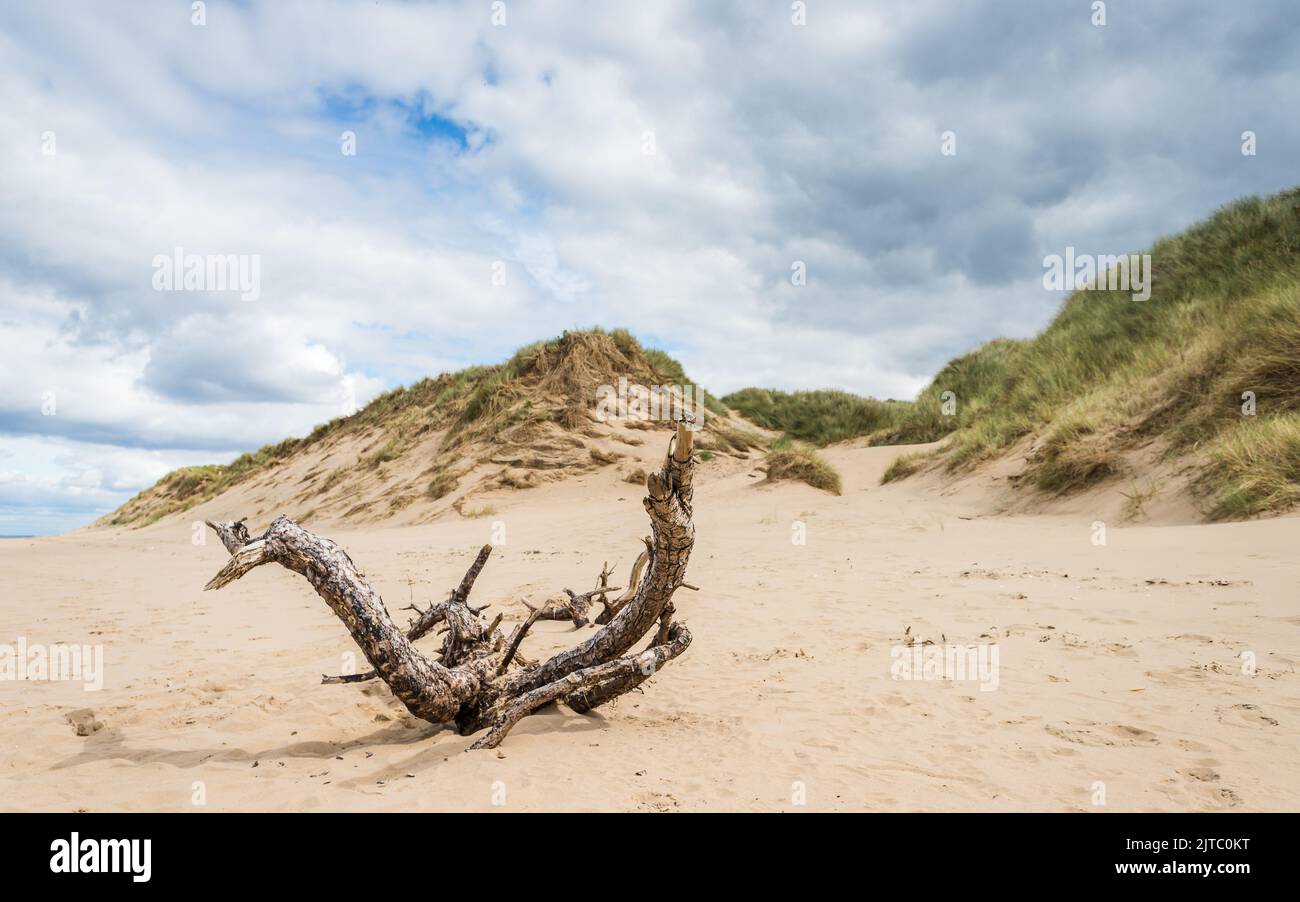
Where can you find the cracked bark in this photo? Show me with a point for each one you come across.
(574, 609)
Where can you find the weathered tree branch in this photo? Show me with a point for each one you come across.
(574, 609)
(470, 681)
(633, 580)
(512, 647)
(233, 534)
(630, 667)
(596, 694)
(673, 536)
(451, 609)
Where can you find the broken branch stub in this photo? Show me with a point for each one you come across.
(471, 682)
(233, 534)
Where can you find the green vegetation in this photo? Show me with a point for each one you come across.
(904, 465)
(1255, 468)
(1073, 457)
(818, 417)
(1110, 374)
(388, 452)
(552, 381)
(1107, 376)
(184, 488)
(475, 513)
(791, 459)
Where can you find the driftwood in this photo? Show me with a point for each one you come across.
(478, 679)
(575, 608)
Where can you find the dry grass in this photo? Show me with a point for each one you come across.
(818, 417)
(1073, 457)
(1135, 500)
(789, 459)
(1110, 374)
(905, 465)
(543, 394)
(1255, 467)
(442, 485)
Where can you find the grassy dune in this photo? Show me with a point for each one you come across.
(546, 385)
(1107, 375)
(1110, 374)
(819, 417)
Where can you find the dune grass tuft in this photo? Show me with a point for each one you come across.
(904, 465)
(1255, 467)
(790, 459)
(1073, 457)
(442, 485)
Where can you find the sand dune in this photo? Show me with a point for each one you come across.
(1119, 664)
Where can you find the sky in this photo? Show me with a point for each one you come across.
(422, 187)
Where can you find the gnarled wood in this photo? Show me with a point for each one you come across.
(633, 580)
(597, 693)
(575, 608)
(629, 667)
(672, 538)
(470, 681)
(455, 610)
(233, 534)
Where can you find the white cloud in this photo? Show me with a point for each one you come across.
(771, 143)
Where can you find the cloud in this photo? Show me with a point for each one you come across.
(53, 485)
(205, 359)
(656, 166)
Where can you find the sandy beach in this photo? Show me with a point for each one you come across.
(1120, 684)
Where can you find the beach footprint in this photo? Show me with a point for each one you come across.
(1200, 787)
(1246, 715)
(1095, 734)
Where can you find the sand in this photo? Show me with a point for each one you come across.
(1120, 683)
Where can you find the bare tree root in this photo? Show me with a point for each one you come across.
(470, 681)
